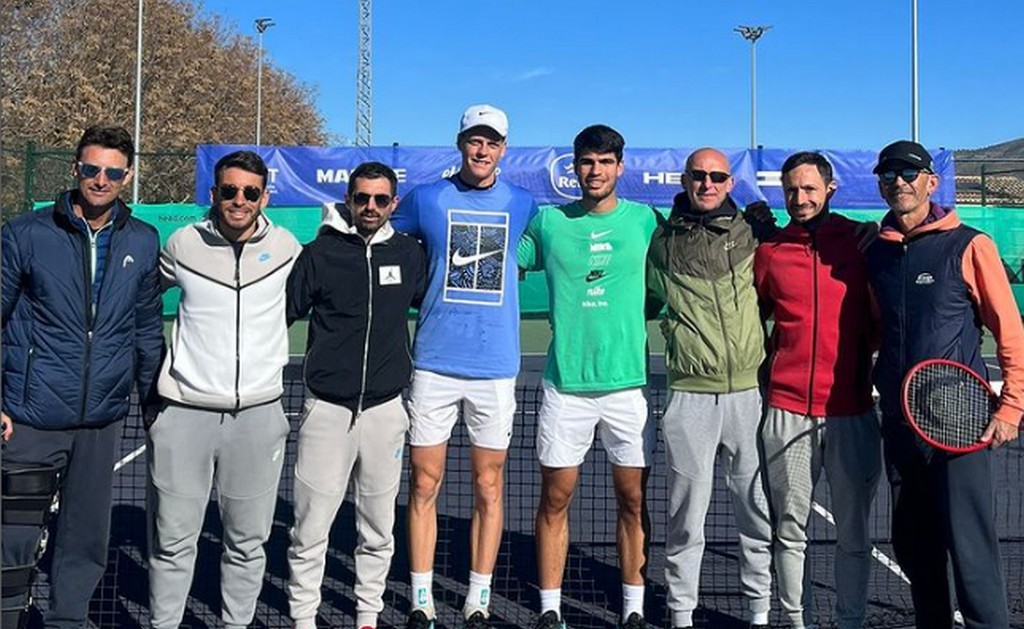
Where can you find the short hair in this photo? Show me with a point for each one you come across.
(245, 160)
(598, 138)
(809, 157)
(373, 170)
(108, 137)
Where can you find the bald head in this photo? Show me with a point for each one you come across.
(703, 167)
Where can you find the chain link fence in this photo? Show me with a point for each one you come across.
(990, 182)
(33, 174)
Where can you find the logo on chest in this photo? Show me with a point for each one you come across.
(389, 275)
(924, 279)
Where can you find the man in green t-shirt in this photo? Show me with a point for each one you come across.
(593, 251)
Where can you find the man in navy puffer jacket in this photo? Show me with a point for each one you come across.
(81, 325)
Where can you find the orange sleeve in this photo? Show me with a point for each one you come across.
(990, 289)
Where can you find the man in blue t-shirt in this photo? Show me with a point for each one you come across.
(466, 349)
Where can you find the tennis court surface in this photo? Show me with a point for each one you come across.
(591, 593)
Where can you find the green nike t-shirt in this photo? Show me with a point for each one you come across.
(595, 274)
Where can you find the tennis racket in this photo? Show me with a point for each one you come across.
(948, 405)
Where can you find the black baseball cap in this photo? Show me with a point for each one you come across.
(905, 152)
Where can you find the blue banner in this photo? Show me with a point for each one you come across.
(304, 176)
(857, 185)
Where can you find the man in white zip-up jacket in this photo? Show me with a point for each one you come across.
(223, 424)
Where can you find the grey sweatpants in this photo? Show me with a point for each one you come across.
(694, 426)
(331, 449)
(850, 449)
(192, 450)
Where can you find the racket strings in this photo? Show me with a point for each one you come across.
(950, 406)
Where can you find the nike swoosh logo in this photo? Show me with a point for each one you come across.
(596, 235)
(460, 260)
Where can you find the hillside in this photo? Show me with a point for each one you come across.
(968, 161)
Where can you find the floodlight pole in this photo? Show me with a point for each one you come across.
(138, 103)
(752, 34)
(914, 124)
(262, 24)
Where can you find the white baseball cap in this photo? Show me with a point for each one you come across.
(484, 116)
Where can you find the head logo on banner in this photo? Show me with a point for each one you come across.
(309, 176)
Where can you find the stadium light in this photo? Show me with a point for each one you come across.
(914, 130)
(752, 34)
(262, 24)
(138, 103)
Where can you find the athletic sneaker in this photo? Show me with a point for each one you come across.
(635, 621)
(549, 620)
(477, 620)
(418, 620)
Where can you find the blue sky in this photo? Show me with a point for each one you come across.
(664, 73)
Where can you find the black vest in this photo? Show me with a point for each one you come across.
(926, 308)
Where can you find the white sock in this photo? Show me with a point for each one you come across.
(759, 618)
(632, 600)
(479, 596)
(423, 591)
(551, 600)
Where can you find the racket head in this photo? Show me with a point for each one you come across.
(948, 405)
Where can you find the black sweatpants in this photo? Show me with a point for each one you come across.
(83, 523)
(943, 505)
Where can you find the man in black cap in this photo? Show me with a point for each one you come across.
(936, 281)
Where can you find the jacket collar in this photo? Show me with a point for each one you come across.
(64, 212)
(684, 216)
(209, 228)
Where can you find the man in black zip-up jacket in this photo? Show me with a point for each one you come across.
(81, 324)
(359, 278)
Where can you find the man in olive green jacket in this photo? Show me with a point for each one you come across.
(701, 264)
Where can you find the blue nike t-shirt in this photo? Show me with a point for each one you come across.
(469, 321)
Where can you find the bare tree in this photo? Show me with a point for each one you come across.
(67, 64)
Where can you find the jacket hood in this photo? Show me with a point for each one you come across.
(938, 219)
(337, 216)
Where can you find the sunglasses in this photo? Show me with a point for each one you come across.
(909, 175)
(716, 176)
(91, 171)
(251, 193)
(362, 198)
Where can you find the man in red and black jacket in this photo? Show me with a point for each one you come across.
(812, 278)
(936, 281)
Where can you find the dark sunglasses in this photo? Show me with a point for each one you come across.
(251, 193)
(381, 200)
(91, 171)
(908, 175)
(717, 176)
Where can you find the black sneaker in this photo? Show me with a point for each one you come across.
(477, 620)
(549, 620)
(635, 621)
(418, 620)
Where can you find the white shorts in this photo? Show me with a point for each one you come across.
(567, 421)
(434, 408)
